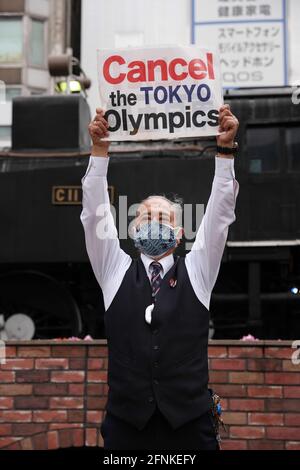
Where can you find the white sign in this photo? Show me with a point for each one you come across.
(240, 10)
(160, 93)
(250, 36)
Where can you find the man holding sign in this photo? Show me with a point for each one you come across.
(157, 306)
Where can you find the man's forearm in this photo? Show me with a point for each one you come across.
(205, 257)
(95, 202)
(229, 145)
(108, 260)
(99, 151)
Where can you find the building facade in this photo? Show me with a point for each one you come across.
(30, 30)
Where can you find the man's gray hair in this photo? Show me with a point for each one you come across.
(176, 203)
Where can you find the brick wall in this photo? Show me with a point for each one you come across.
(52, 394)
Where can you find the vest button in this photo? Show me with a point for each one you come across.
(155, 332)
(155, 364)
(156, 347)
(150, 399)
(155, 381)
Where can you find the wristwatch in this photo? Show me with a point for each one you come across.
(228, 150)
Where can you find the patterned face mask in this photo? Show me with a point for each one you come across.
(154, 238)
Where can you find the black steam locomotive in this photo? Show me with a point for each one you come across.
(47, 288)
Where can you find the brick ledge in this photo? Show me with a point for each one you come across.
(103, 342)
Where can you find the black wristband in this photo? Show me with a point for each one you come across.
(228, 150)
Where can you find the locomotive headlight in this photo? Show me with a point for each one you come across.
(75, 86)
(294, 290)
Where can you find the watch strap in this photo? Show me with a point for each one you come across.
(228, 150)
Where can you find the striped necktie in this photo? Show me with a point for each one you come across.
(155, 277)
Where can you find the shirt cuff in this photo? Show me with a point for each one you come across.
(97, 166)
(224, 167)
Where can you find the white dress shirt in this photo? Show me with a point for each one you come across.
(110, 262)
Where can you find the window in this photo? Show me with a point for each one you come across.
(5, 136)
(293, 147)
(37, 44)
(8, 93)
(37, 92)
(11, 40)
(5, 132)
(13, 92)
(263, 146)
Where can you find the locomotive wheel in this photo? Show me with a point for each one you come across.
(36, 304)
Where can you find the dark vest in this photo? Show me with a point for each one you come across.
(163, 364)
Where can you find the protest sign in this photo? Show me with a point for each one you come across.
(160, 93)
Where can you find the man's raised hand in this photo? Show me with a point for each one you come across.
(229, 125)
(98, 130)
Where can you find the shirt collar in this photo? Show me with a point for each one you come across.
(166, 262)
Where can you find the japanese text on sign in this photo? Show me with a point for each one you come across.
(250, 36)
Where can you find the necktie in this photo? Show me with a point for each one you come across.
(155, 277)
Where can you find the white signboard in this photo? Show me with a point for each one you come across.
(160, 93)
(240, 10)
(250, 36)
